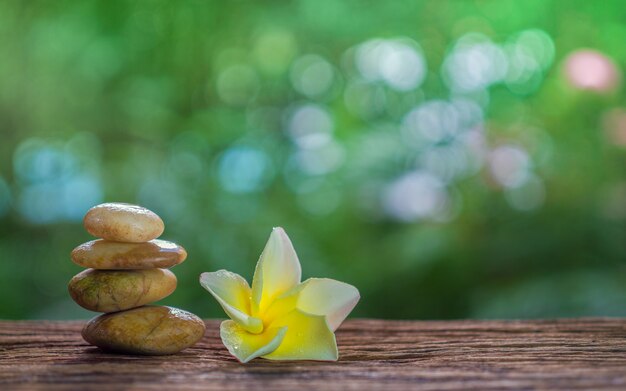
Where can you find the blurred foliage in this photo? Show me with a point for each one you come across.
(449, 158)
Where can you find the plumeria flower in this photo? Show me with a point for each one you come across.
(280, 318)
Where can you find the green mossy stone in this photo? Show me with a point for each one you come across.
(149, 330)
(118, 290)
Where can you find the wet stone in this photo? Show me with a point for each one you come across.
(120, 222)
(103, 254)
(150, 330)
(110, 290)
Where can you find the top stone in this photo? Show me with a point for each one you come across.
(120, 222)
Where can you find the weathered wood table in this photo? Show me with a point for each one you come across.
(563, 354)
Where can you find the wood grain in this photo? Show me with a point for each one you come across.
(563, 354)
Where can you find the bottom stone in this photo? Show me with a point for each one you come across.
(151, 330)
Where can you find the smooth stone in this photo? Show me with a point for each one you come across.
(120, 222)
(145, 330)
(102, 254)
(111, 290)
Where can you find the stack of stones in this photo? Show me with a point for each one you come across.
(127, 269)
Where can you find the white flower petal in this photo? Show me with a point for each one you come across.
(331, 298)
(277, 271)
(233, 293)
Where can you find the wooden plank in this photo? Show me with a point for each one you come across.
(563, 354)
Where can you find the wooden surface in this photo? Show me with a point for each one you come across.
(374, 354)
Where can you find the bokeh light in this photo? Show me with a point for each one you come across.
(474, 64)
(310, 126)
(274, 50)
(415, 196)
(312, 75)
(238, 84)
(55, 184)
(591, 70)
(510, 165)
(458, 155)
(530, 53)
(397, 62)
(244, 169)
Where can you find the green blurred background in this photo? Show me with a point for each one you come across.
(451, 159)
